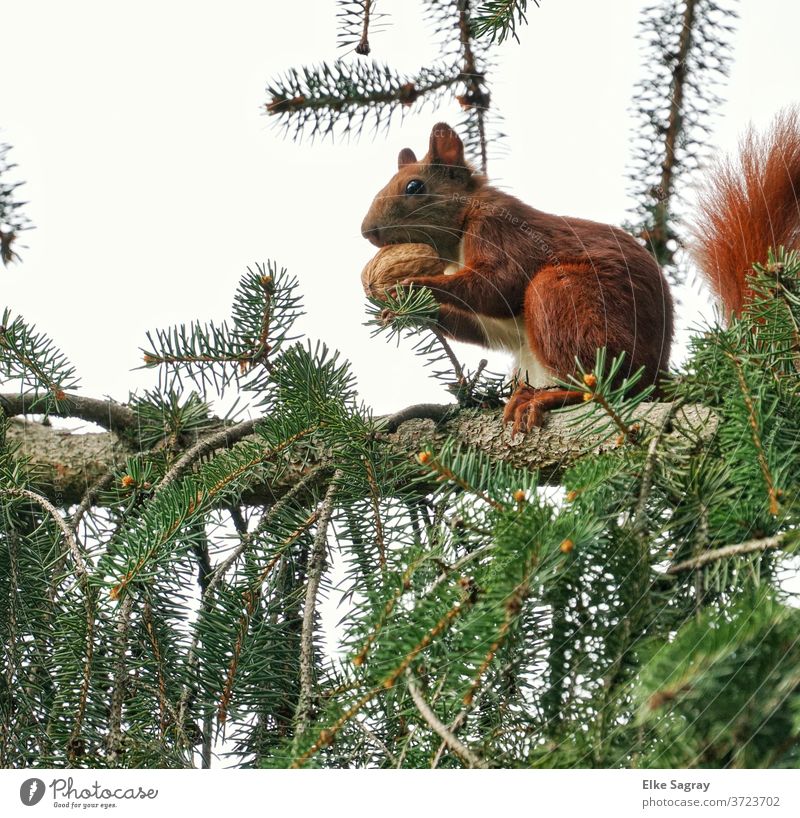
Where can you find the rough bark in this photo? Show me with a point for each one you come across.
(69, 463)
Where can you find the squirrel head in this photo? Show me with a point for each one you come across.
(426, 201)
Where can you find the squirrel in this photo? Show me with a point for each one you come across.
(552, 289)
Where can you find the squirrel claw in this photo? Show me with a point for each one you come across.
(524, 411)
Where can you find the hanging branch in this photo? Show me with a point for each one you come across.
(356, 19)
(12, 220)
(318, 100)
(687, 52)
(114, 740)
(314, 101)
(476, 98)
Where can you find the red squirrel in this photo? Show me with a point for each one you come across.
(550, 289)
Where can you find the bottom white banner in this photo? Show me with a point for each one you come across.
(332, 793)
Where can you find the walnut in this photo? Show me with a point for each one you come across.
(396, 262)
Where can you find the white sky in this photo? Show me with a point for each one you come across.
(154, 178)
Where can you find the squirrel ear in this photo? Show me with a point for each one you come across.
(406, 157)
(445, 146)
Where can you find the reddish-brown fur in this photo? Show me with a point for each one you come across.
(579, 284)
(749, 205)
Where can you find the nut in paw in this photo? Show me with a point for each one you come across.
(397, 263)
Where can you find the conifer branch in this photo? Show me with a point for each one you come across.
(72, 460)
(53, 513)
(252, 597)
(498, 19)
(452, 741)
(12, 219)
(772, 491)
(114, 740)
(82, 574)
(748, 547)
(687, 57)
(420, 411)
(224, 438)
(316, 565)
(89, 499)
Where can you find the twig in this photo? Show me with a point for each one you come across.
(114, 739)
(459, 564)
(748, 547)
(448, 350)
(376, 512)
(772, 492)
(422, 411)
(89, 499)
(367, 732)
(363, 44)
(475, 96)
(72, 544)
(223, 438)
(482, 364)
(455, 725)
(676, 121)
(434, 465)
(649, 467)
(609, 410)
(316, 564)
(453, 742)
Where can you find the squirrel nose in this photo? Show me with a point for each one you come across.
(370, 233)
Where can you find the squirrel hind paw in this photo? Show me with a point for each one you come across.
(524, 410)
(528, 407)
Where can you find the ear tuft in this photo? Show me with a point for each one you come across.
(406, 157)
(445, 146)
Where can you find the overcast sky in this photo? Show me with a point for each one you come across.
(154, 178)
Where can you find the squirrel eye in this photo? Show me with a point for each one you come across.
(415, 186)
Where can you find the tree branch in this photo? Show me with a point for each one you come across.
(316, 565)
(748, 547)
(69, 537)
(452, 741)
(71, 462)
(223, 439)
(116, 417)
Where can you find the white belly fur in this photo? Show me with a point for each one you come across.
(508, 335)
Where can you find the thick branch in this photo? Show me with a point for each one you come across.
(69, 463)
(116, 417)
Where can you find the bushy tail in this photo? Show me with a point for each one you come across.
(748, 205)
